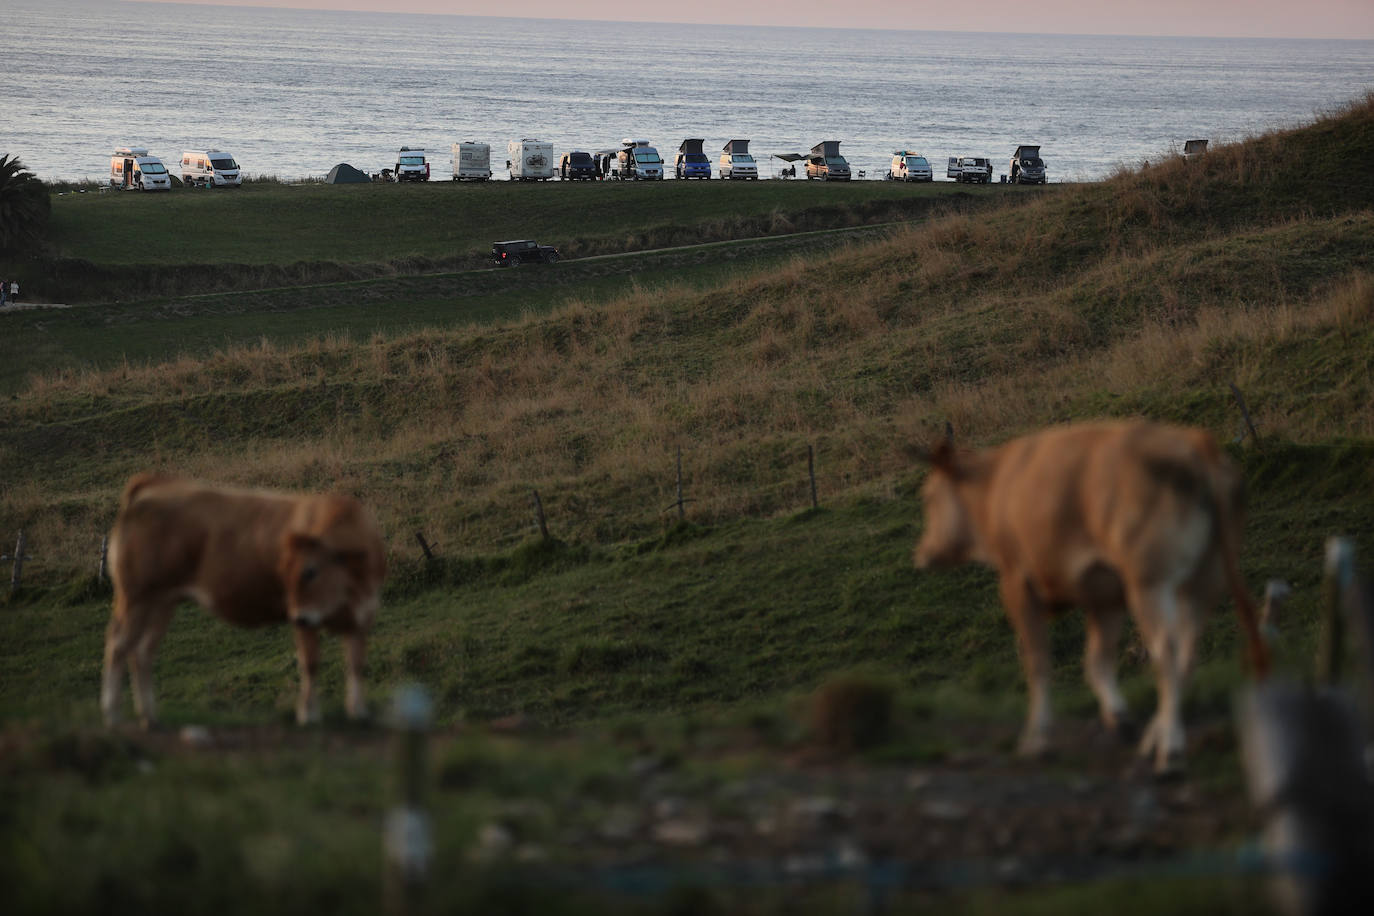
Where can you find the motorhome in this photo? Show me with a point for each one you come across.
(1026, 166)
(211, 168)
(736, 163)
(825, 162)
(411, 165)
(637, 160)
(471, 161)
(691, 161)
(132, 168)
(909, 166)
(530, 160)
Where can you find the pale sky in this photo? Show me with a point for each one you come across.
(1234, 18)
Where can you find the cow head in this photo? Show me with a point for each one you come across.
(323, 583)
(949, 537)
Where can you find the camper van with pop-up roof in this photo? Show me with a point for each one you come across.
(825, 162)
(133, 169)
(736, 163)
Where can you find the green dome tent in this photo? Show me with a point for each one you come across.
(343, 173)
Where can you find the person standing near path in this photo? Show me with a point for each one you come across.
(14, 291)
(4, 291)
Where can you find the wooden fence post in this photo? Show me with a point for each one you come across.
(681, 512)
(425, 545)
(18, 573)
(1245, 413)
(539, 516)
(407, 843)
(811, 472)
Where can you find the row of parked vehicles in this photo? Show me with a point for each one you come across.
(533, 160)
(1026, 167)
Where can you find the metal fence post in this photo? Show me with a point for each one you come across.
(408, 846)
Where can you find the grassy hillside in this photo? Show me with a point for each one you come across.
(1146, 295)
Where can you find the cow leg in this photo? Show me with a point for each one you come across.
(355, 651)
(141, 663)
(1032, 639)
(1157, 614)
(1099, 665)
(308, 660)
(119, 640)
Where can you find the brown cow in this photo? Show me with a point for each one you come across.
(1108, 517)
(253, 558)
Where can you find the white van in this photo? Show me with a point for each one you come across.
(637, 160)
(211, 168)
(530, 160)
(471, 161)
(133, 169)
(737, 163)
(909, 166)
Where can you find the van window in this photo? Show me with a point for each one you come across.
(224, 163)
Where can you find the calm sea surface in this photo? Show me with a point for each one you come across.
(291, 93)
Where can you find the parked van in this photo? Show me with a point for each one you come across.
(133, 169)
(411, 165)
(1192, 149)
(691, 161)
(1026, 166)
(578, 166)
(530, 160)
(211, 168)
(471, 161)
(909, 166)
(637, 160)
(825, 162)
(736, 163)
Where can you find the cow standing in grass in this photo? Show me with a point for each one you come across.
(253, 558)
(1109, 517)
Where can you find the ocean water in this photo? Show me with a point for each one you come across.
(291, 93)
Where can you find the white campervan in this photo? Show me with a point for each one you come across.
(211, 168)
(530, 160)
(909, 166)
(133, 169)
(737, 163)
(637, 160)
(471, 161)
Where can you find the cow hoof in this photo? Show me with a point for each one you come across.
(1126, 731)
(1033, 747)
(1170, 768)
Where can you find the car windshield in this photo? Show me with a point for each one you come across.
(412, 160)
(581, 159)
(836, 162)
(696, 157)
(917, 162)
(224, 163)
(647, 157)
(152, 168)
(1032, 163)
(743, 159)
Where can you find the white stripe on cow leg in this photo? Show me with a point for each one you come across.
(308, 660)
(355, 651)
(1099, 665)
(117, 644)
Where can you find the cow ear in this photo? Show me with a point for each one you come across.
(942, 455)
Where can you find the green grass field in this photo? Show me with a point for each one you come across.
(602, 695)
